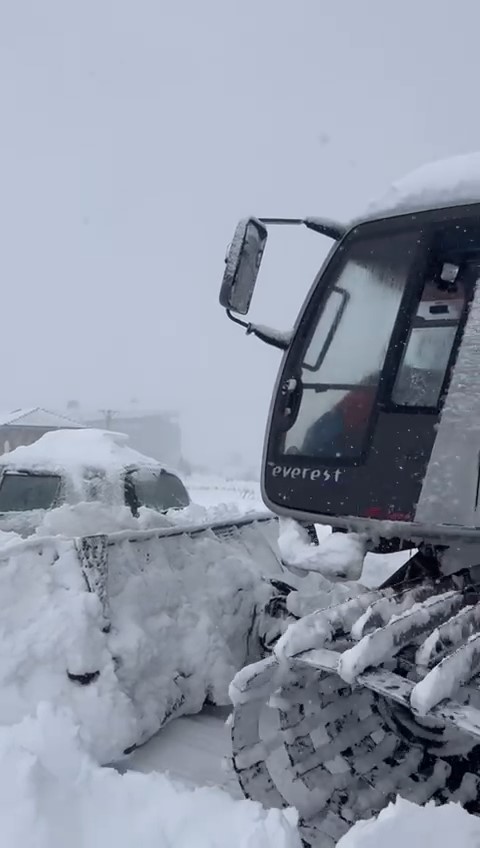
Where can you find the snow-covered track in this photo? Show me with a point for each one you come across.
(385, 705)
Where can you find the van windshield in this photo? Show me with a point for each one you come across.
(22, 492)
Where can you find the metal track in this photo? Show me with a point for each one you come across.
(387, 704)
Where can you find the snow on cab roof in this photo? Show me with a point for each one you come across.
(78, 449)
(447, 182)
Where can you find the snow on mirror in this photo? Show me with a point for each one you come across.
(242, 265)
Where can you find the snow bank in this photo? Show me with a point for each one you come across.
(446, 182)
(405, 824)
(52, 794)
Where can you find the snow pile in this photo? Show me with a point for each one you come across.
(88, 518)
(195, 513)
(406, 824)
(446, 182)
(51, 626)
(53, 794)
(79, 449)
(329, 572)
(338, 556)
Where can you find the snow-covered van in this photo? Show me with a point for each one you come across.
(69, 467)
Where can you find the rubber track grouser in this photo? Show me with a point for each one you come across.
(374, 428)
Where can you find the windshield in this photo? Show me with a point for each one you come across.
(23, 492)
(345, 354)
(398, 288)
(159, 490)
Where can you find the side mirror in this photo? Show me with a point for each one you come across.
(243, 263)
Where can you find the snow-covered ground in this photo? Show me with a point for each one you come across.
(53, 794)
(406, 825)
(194, 749)
(175, 790)
(56, 732)
(223, 498)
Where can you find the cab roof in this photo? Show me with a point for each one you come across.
(446, 182)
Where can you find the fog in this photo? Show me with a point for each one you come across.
(135, 133)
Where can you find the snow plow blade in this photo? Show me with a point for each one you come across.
(254, 536)
(131, 629)
(373, 698)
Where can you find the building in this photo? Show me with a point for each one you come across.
(25, 426)
(153, 433)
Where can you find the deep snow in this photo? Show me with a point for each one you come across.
(406, 825)
(53, 792)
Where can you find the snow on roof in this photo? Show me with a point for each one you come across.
(447, 182)
(74, 450)
(36, 417)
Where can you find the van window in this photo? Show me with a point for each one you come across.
(22, 492)
(159, 490)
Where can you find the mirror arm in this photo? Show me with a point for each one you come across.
(237, 320)
(332, 229)
(278, 340)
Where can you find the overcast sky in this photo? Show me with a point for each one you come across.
(134, 134)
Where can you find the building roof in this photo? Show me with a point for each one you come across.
(36, 417)
(132, 413)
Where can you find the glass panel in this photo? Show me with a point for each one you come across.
(424, 365)
(348, 346)
(425, 361)
(330, 316)
(340, 420)
(21, 492)
(160, 491)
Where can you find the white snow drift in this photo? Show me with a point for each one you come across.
(405, 824)
(52, 795)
